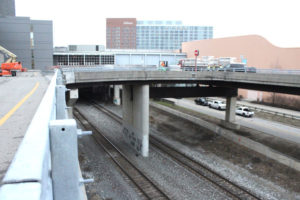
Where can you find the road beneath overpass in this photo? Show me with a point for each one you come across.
(269, 127)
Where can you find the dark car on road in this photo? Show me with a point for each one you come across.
(251, 69)
(201, 101)
(237, 68)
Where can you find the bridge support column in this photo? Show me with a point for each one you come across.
(135, 104)
(230, 109)
(117, 100)
(230, 113)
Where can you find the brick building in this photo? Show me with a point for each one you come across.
(121, 33)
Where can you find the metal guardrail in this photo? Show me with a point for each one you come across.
(46, 163)
(248, 70)
(108, 68)
(90, 68)
(277, 71)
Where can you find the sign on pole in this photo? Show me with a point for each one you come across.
(196, 52)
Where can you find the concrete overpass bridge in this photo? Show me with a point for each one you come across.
(140, 84)
(49, 148)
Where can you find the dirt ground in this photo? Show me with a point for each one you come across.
(195, 136)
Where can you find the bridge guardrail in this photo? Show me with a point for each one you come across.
(46, 163)
(249, 70)
(277, 71)
(82, 68)
(107, 68)
(29, 172)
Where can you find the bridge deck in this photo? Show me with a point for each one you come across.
(20, 97)
(282, 83)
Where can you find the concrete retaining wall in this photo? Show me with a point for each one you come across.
(250, 144)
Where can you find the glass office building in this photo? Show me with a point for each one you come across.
(168, 34)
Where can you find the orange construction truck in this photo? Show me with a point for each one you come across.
(10, 66)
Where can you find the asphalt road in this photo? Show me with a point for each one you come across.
(19, 97)
(269, 127)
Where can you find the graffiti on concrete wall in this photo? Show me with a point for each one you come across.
(133, 138)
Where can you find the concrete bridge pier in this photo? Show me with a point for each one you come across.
(230, 113)
(230, 109)
(117, 100)
(135, 105)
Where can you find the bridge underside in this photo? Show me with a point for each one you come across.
(184, 92)
(135, 107)
(234, 85)
(139, 86)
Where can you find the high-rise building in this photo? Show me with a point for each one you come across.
(121, 33)
(127, 33)
(30, 40)
(7, 8)
(168, 34)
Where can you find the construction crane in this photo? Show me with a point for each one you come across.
(10, 66)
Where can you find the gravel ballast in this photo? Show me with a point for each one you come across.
(263, 176)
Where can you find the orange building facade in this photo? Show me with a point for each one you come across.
(259, 53)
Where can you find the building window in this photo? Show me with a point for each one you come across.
(107, 59)
(62, 60)
(76, 60)
(92, 60)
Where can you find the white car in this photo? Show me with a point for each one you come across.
(244, 111)
(220, 105)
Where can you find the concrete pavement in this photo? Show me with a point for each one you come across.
(272, 128)
(20, 96)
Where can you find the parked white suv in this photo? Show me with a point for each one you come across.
(244, 111)
(220, 105)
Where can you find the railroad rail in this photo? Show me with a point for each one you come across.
(145, 186)
(199, 169)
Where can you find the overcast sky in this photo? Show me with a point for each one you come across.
(83, 21)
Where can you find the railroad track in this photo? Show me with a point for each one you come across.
(199, 169)
(144, 185)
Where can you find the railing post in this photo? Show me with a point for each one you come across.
(64, 159)
(61, 112)
(59, 78)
